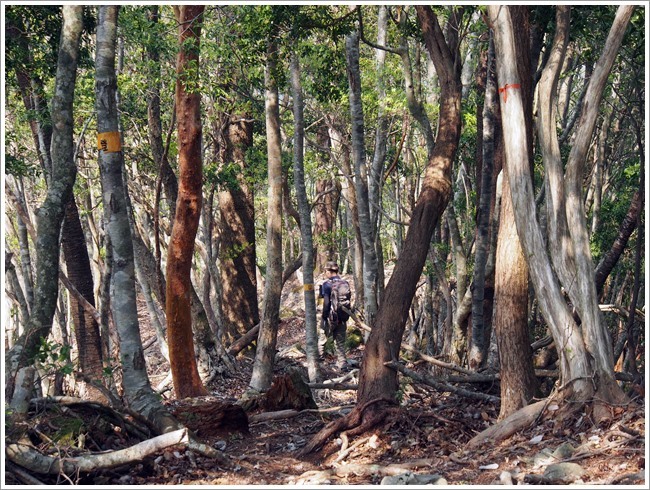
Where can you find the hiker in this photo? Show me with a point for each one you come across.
(335, 292)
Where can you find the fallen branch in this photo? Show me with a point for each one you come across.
(22, 475)
(138, 427)
(360, 469)
(332, 386)
(441, 386)
(519, 420)
(242, 342)
(268, 416)
(345, 450)
(405, 346)
(287, 414)
(26, 456)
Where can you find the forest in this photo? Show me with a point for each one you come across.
(179, 179)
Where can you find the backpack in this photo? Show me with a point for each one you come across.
(340, 298)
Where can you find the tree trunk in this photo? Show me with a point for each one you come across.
(266, 341)
(72, 238)
(376, 177)
(628, 225)
(185, 376)
(137, 389)
(237, 234)
(586, 350)
(77, 264)
(361, 178)
(378, 381)
(480, 333)
(50, 215)
(311, 324)
(518, 380)
(325, 206)
(159, 153)
(340, 149)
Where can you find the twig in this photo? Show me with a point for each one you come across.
(345, 451)
(440, 385)
(22, 475)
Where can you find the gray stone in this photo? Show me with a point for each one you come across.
(564, 451)
(543, 458)
(564, 472)
(409, 478)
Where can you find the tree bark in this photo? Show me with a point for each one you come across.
(519, 383)
(137, 389)
(361, 177)
(311, 324)
(586, 350)
(480, 333)
(237, 226)
(325, 205)
(186, 379)
(77, 264)
(266, 342)
(50, 215)
(377, 380)
(628, 225)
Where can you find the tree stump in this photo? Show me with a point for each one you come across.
(288, 391)
(213, 419)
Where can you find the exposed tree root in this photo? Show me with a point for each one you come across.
(598, 410)
(356, 422)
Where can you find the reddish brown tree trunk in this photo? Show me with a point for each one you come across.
(377, 381)
(182, 359)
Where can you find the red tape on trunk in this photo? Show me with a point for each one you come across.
(504, 90)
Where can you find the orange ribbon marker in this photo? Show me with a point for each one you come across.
(504, 90)
(109, 142)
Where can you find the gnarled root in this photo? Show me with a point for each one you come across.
(356, 422)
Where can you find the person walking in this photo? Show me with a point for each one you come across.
(332, 324)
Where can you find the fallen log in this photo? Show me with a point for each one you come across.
(332, 386)
(514, 423)
(438, 385)
(28, 457)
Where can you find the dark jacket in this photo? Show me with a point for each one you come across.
(327, 293)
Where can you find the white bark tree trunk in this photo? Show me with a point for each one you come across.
(138, 392)
(584, 350)
(361, 177)
(51, 213)
(311, 324)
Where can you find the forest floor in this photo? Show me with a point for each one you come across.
(425, 437)
(421, 442)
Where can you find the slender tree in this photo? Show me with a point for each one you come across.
(182, 359)
(268, 333)
(518, 381)
(137, 389)
(51, 213)
(361, 177)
